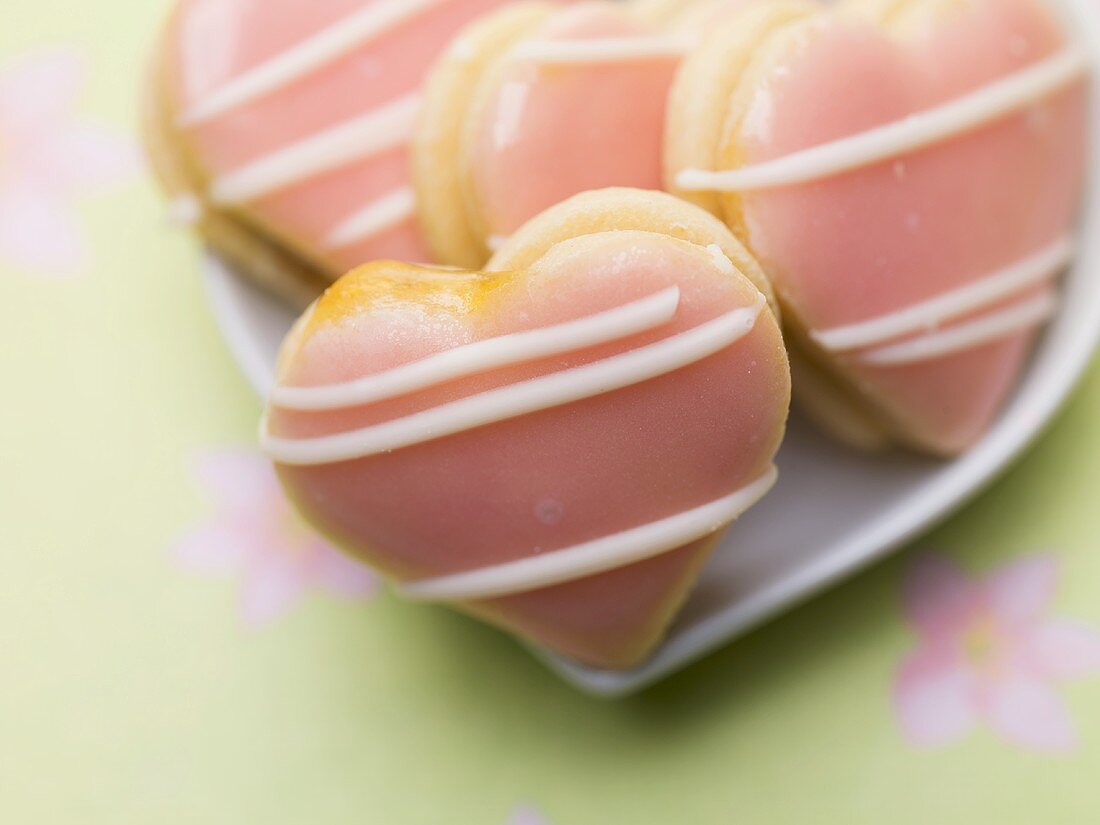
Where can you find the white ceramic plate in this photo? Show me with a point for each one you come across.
(833, 510)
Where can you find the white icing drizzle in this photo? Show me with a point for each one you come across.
(990, 327)
(591, 557)
(378, 131)
(311, 54)
(890, 140)
(603, 49)
(1014, 278)
(495, 242)
(184, 210)
(525, 397)
(489, 354)
(375, 218)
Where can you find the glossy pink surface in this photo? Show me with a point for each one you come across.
(214, 41)
(562, 476)
(552, 131)
(877, 240)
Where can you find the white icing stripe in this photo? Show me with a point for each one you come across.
(376, 132)
(597, 556)
(1029, 271)
(376, 217)
(311, 54)
(525, 397)
(916, 131)
(602, 49)
(495, 242)
(490, 354)
(991, 327)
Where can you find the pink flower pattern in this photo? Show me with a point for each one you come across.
(526, 814)
(49, 159)
(257, 535)
(990, 652)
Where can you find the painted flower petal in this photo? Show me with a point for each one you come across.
(39, 233)
(38, 92)
(526, 815)
(933, 697)
(1026, 711)
(1020, 593)
(83, 158)
(937, 595)
(240, 480)
(340, 574)
(273, 584)
(214, 547)
(1063, 649)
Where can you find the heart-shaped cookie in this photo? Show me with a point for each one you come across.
(535, 103)
(908, 173)
(281, 128)
(554, 444)
(531, 105)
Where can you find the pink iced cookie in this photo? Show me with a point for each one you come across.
(552, 445)
(292, 120)
(908, 173)
(531, 106)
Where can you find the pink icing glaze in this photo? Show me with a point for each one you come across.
(216, 40)
(561, 130)
(606, 619)
(874, 241)
(561, 476)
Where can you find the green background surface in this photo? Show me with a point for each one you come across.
(131, 692)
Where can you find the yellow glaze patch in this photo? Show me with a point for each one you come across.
(392, 285)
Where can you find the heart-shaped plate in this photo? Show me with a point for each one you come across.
(833, 510)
